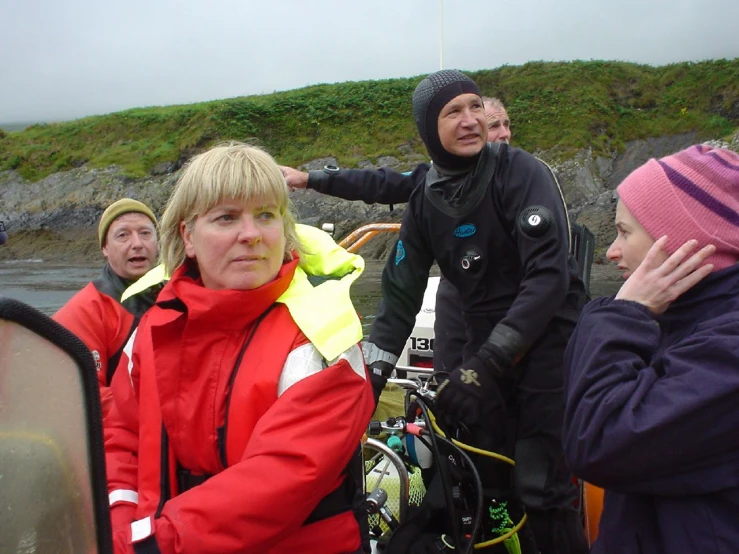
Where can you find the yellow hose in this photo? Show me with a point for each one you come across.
(489, 454)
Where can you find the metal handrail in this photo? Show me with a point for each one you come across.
(359, 237)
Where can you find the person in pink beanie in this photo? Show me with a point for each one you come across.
(652, 374)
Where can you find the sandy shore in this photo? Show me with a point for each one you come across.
(73, 247)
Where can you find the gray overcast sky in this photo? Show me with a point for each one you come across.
(62, 59)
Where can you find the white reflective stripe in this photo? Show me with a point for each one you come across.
(302, 362)
(306, 360)
(141, 529)
(123, 495)
(355, 358)
(128, 351)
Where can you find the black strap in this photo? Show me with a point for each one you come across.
(222, 431)
(165, 490)
(187, 480)
(345, 497)
(116, 357)
(147, 546)
(340, 500)
(333, 504)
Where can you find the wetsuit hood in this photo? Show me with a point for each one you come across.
(430, 96)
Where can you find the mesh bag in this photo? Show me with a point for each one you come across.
(374, 467)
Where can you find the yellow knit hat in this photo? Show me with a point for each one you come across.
(117, 209)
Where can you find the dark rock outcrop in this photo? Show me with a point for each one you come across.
(65, 207)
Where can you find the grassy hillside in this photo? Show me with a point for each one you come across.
(566, 106)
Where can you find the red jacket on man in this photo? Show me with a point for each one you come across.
(224, 383)
(96, 315)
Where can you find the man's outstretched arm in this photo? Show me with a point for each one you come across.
(372, 186)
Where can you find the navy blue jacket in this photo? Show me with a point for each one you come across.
(652, 416)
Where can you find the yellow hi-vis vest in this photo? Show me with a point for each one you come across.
(324, 313)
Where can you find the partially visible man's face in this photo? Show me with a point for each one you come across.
(499, 125)
(131, 245)
(462, 127)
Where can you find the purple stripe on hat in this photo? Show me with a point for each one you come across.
(723, 161)
(699, 195)
(705, 168)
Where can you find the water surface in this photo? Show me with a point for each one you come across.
(47, 286)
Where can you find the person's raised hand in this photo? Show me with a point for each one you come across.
(295, 179)
(658, 282)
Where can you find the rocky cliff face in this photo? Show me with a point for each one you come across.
(56, 218)
(589, 182)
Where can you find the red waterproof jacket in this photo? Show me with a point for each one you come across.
(96, 315)
(224, 383)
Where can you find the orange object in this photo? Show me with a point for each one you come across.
(359, 237)
(592, 508)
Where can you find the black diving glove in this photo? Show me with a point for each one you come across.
(468, 392)
(379, 372)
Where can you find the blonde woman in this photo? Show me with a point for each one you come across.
(245, 393)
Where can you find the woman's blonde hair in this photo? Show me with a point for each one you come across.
(229, 171)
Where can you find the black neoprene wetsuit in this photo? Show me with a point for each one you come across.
(528, 283)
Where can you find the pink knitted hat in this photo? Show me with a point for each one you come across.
(693, 194)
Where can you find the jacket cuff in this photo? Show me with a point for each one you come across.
(629, 308)
(505, 346)
(122, 514)
(142, 536)
(318, 180)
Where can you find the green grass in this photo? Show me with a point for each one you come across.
(560, 106)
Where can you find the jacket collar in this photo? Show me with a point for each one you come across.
(221, 309)
(719, 288)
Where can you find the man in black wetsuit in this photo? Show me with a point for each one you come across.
(449, 327)
(493, 218)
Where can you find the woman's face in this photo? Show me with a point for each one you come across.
(632, 241)
(237, 245)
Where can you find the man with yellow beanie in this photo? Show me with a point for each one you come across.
(128, 239)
